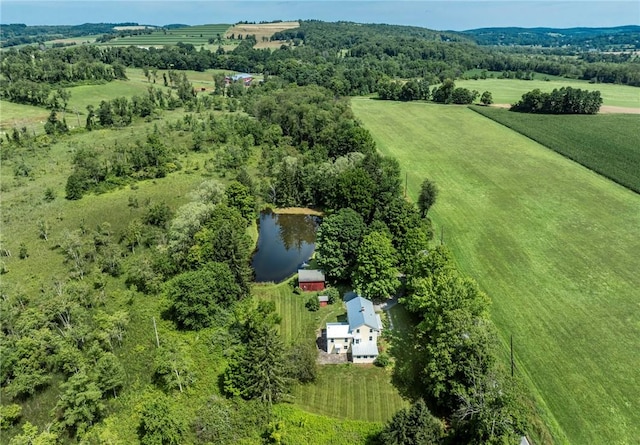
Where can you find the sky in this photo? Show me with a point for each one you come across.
(454, 15)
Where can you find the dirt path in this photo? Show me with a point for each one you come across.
(604, 109)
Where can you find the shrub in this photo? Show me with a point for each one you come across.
(312, 304)
(382, 360)
(9, 415)
(333, 294)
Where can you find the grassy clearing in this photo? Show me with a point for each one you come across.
(606, 144)
(356, 392)
(509, 91)
(18, 115)
(554, 244)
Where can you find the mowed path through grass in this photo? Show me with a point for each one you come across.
(556, 247)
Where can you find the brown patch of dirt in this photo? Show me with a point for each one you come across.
(261, 30)
(610, 109)
(604, 109)
(297, 211)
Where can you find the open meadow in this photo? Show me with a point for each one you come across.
(553, 244)
(602, 143)
(509, 91)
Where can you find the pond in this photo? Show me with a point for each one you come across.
(285, 242)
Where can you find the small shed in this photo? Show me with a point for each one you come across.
(310, 280)
(323, 299)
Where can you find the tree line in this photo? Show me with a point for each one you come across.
(566, 100)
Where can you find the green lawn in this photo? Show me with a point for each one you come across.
(509, 91)
(356, 392)
(608, 144)
(555, 246)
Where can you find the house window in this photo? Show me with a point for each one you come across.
(370, 330)
(371, 338)
(332, 340)
(357, 341)
(346, 340)
(357, 331)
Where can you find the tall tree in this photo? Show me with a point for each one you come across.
(375, 275)
(413, 426)
(337, 243)
(428, 195)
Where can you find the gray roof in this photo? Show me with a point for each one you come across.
(241, 76)
(364, 348)
(360, 311)
(305, 276)
(322, 298)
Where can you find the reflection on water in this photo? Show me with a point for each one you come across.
(284, 243)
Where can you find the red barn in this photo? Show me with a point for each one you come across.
(310, 280)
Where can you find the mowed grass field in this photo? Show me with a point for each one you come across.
(554, 245)
(605, 143)
(355, 392)
(509, 91)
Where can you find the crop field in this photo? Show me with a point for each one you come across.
(356, 392)
(602, 143)
(196, 35)
(554, 245)
(262, 31)
(509, 91)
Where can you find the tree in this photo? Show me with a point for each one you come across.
(30, 436)
(302, 360)
(197, 297)
(337, 243)
(110, 374)
(172, 368)
(444, 93)
(239, 197)
(413, 426)
(160, 423)
(486, 98)
(80, 404)
(375, 275)
(263, 369)
(428, 195)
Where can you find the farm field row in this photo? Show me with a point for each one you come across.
(606, 143)
(551, 242)
(509, 91)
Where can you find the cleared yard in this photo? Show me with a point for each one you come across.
(356, 392)
(553, 244)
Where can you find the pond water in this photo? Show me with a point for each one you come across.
(285, 242)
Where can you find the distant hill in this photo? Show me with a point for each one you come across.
(18, 33)
(616, 38)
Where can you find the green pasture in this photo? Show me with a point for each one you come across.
(608, 144)
(19, 115)
(509, 91)
(553, 244)
(356, 392)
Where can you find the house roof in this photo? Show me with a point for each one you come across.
(338, 330)
(365, 348)
(241, 76)
(360, 312)
(322, 298)
(309, 275)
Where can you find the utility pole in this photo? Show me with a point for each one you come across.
(156, 331)
(512, 363)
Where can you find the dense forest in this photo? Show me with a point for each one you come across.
(20, 34)
(618, 38)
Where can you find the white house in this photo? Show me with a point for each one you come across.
(359, 335)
